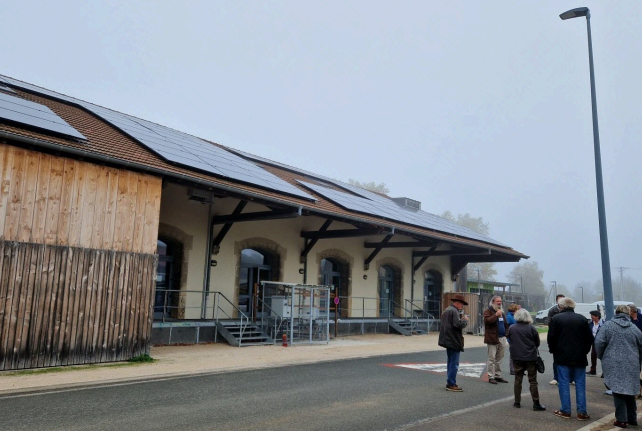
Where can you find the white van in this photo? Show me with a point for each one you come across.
(583, 308)
(600, 305)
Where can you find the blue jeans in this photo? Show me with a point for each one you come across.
(452, 366)
(564, 376)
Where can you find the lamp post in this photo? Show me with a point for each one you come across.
(521, 284)
(604, 241)
(580, 287)
(554, 283)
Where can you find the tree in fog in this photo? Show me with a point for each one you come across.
(483, 270)
(531, 276)
(624, 289)
(372, 186)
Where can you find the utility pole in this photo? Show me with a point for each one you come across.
(621, 269)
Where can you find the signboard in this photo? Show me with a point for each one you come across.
(336, 300)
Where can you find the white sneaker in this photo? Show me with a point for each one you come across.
(552, 382)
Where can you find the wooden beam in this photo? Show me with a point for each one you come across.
(401, 244)
(226, 227)
(341, 233)
(255, 216)
(376, 251)
(421, 261)
(450, 253)
(309, 244)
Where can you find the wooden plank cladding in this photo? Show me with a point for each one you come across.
(58, 201)
(66, 305)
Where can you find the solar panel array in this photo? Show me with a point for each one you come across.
(371, 203)
(377, 205)
(32, 114)
(181, 148)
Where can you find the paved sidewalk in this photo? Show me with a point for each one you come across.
(212, 358)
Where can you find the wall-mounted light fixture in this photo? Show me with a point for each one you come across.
(365, 276)
(213, 262)
(301, 270)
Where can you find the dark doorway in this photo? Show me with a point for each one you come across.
(168, 278)
(334, 272)
(389, 291)
(257, 265)
(433, 288)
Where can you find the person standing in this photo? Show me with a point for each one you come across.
(619, 346)
(552, 312)
(452, 338)
(524, 341)
(595, 325)
(635, 317)
(495, 329)
(510, 318)
(569, 340)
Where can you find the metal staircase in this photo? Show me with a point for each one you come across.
(242, 333)
(408, 324)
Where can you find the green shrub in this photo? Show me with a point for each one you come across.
(141, 358)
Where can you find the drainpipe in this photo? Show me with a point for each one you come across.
(208, 263)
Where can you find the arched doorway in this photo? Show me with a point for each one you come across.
(257, 265)
(433, 288)
(389, 290)
(168, 278)
(334, 272)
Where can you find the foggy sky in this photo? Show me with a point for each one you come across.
(473, 107)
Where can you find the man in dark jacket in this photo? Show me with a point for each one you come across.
(495, 329)
(569, 340)
(452, 338)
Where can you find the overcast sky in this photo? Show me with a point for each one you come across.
(473, 107)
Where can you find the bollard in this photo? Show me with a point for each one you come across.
(285, 340)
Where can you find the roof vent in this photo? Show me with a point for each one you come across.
(407, 203)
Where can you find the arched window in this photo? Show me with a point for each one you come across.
(168, 278)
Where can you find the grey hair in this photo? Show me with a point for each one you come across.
(624, 309)
(523, 316)
(490, 304)
(566, 303)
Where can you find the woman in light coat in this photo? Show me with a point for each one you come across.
(619, 345)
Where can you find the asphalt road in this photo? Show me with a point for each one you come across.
(357, 394)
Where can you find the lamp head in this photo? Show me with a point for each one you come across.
(575, 13)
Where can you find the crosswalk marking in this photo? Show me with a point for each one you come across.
(465, 369)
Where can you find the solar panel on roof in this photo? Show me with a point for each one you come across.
(384, 207)
(181, 148)
(23, 111)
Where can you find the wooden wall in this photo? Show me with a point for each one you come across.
(63, 305)
(77, 260)
(54, 200)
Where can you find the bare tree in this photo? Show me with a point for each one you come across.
(372, 186)
(481, 270)
(530, 275)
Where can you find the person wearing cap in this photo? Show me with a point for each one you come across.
(595, 325)
(451, 337)
(619, 346)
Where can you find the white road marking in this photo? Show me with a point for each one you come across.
(468, 370)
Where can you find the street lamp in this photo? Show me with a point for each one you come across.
(580, 287)
(604, 241)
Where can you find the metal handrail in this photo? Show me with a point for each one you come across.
(278, 318)
(414, 320)
(244, 317)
